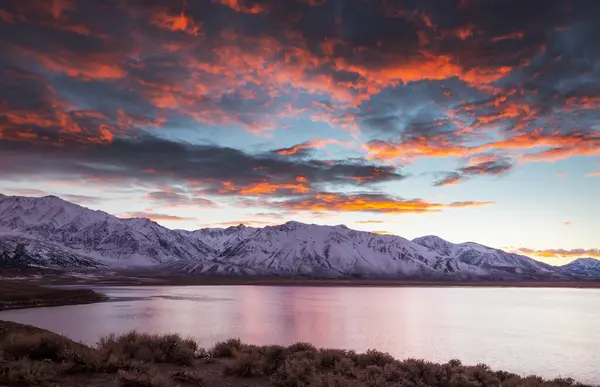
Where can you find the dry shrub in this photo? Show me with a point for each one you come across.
(245, 365)
(302, 347)
(139, 379)
(371, 375)
(373, 357)
(25, 373)
(345, 366)
(335, 380)
(149, 348)
(393, 373)
(274, 356)
(202, 353)
(226, 348)
(296, 371)
(37, 346)
(189, 377)
(329, 357)
(100, 362)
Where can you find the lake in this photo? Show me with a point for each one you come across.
(545, 331)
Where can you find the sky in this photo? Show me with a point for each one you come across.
(473, 120)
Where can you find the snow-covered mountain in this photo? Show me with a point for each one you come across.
(583, 266)
(297, 248)
(55, 232)
(95, 235)
(484, 257)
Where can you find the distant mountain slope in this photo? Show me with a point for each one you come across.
(16, 252)
(583, 266)
(94, 234)
(485, 257)
(58, 233)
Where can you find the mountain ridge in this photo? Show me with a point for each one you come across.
(69, 235)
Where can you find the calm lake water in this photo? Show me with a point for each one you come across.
(548, 332)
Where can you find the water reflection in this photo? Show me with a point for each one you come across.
(549, 332)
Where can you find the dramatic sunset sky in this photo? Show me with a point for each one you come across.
(474, 120)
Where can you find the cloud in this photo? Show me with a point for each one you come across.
(567, 223)
(405, 81)
(247, 223)
(593, 174)
(243, 6)
(27, 192)
(488, 165)
(153, 216)
(559, 253)
(82, 199)
(179, 22)
(202, 169)
(174, 199)
(304, 148)
(376, 203)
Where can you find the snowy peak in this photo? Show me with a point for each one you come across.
(482, 256)
(88, 234)
(583, 266)
(436, 243)
(47, 210)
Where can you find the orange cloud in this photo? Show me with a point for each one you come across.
(313, 144)
(514, 35)
(383, 232)
(241, 6)
(371, 203)
(464, 32)
(265, 188)
(415, 148)
(559, 253)
(179, 22)
(87, 67)
(594, 174)
(561, 146)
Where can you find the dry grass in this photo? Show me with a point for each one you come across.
(226, 348)
(142, 379)
(35, 347)
(25, 373)
(302, 365)
(189, 377)
(33, 357)
(149, 348)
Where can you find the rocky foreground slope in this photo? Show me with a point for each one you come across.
(51, 232)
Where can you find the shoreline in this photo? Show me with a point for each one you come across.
(236, 281)
(127, 277)
(24, 295)
(55, 279)
(34, 356)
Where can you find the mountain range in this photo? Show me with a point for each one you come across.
(51, 232)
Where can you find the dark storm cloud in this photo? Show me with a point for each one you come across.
(489, 165)
(207, 168)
